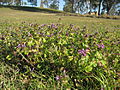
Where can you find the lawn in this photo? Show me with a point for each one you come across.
(43, 50)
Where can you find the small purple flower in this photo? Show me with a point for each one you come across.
(86, 35)
(43, 25)
(67, 34)
(96, 33)
(29, 34)
(100, 45)
(58, 77)
(52, 34)
(82, 52)
(23, 45)
(19, 45)
(53, 26)
(59, 37)
(41, 33)
(31, 25)
(48, 35)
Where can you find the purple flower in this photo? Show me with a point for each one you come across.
(31, 24)
(67, 34)
(48, 35)
(59, 37)
(82, 52)
(86, 35)
(29, 34)
(41, 33)
(21, 45)
(58, 77)
(96, 33)
(100, 45)
(43, 25)
(53, 26)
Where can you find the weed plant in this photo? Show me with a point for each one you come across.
(58, 56)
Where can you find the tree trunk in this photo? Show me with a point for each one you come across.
(41, 4)
(108, 6)
(108, 9)
(100, 1)
(72, 7)
(90, 6)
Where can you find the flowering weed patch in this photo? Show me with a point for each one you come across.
(65, 55)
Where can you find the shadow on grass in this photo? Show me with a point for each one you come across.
(31, 9)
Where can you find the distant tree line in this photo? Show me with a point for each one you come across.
(87, 6)
(11, 2)
(54, 4)
(110, 7)
(17, 2)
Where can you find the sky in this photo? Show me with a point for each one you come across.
(60, 5)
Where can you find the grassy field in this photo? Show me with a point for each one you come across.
(23, 67)
(17, 16)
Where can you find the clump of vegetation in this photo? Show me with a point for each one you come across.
(61, 56)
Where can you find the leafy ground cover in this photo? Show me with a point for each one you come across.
(45, 51)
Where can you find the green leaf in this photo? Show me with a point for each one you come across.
(31, 43)
(98, 55)
(70, 58)
(103, 62)
(44, 40)
(88, 68)
(9, 57)
(45, 55)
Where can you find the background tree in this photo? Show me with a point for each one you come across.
(108, 4)
(42, 3)
(7, 2)
(69, 5)
(46, 3)
(54, 4)
(33, 2)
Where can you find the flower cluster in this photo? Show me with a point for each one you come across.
(100, 45)
(83, 52)
(21, 45)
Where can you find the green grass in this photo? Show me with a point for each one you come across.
(9, 15)
(13, 18)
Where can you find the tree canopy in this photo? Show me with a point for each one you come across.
(85, 6)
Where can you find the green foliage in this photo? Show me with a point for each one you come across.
(54, 4)
(33, 56)
(61, 56)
